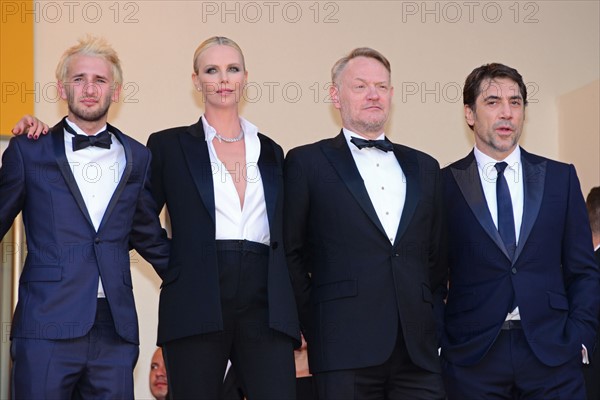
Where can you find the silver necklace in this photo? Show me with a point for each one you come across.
(230, 140)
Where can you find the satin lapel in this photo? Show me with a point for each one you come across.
(410, 168)
(58, 142)
(467, 179)
(534, 176)
(124, 178)
(339, 155)
(195, 151)
(269, 173)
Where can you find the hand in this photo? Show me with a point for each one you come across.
(30, 125)
(301, 360)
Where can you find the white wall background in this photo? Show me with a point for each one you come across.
(290, 47)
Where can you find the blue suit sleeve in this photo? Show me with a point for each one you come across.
(12, 186)
(147, 236)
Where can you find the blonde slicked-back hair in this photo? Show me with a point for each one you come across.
(368, 52)
(216, 41)
(95, 47)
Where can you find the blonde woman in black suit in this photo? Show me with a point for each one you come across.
(227, 294)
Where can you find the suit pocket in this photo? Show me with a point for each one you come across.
(335, 290)
(558, 301)
(41, 273)
(170, 276)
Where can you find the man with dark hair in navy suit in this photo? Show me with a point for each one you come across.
(85, 196)
(524, 294)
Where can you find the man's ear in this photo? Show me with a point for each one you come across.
(469, 115)
(62, 90)
(334, 95)
(116, 92)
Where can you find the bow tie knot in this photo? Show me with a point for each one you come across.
(382, 144)
(101, 140)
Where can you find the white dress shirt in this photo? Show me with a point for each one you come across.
(233, 222)
(97, 172)
(514, 178)
(384, 180)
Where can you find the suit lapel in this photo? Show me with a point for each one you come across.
(410, 168)
(58, 143)
(195, 151)
(466, 174)
(534, 176)
(269, 172)
(124, 178)
(338, 153)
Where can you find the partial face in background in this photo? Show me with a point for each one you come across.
(158, 376)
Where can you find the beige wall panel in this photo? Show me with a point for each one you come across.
(579, 132)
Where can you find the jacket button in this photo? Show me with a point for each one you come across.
(513, 270)
(97, 240)
(274, 245)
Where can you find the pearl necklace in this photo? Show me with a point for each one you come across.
(230, 140)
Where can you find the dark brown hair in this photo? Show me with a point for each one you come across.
(489, 72)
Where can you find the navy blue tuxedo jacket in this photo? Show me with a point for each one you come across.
(182, 178)
(65, 255)
(362, 289)
(553, 275)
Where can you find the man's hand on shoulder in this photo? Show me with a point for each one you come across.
(31, 126)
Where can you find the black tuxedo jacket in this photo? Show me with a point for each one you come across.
(553, 274)
(362, 288)
(182, 179)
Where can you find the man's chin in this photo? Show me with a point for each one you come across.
(160, 394)
(91, 116)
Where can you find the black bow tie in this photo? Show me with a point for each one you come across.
(382, 145)
(101, 140)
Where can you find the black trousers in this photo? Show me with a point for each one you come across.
(396, 379)
(263, 358)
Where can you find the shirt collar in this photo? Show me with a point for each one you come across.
(80, 131)
(512, 160)
(248, 127)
